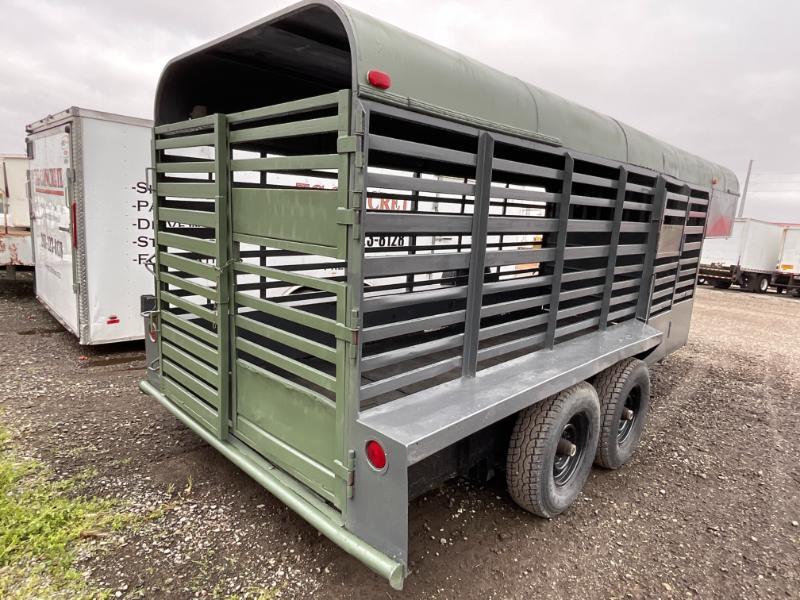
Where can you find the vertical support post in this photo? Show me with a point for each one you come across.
(262, 254)
(561, 247)
(412, 239)
(477, 256)
(688, 191)
(613, 245)
(154, 153)
(224, 313)
(648, 267)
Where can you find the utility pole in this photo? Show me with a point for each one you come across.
(744, 191)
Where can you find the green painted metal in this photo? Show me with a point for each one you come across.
(281, 486)
(439, 81)
(304, 216)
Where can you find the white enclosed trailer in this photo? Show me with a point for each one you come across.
(787, 271)
(747, 257)
(91, 221)
(15, 223)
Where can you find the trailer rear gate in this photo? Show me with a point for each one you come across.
(416, 346)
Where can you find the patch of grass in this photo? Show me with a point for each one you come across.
(42, 523)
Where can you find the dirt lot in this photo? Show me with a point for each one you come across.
(709, 508)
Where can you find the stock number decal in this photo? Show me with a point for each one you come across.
(51, 245)
(385, 241)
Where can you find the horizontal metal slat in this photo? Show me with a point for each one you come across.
(189, 344)
(419, 263)
(382, 332)
(287, 163)
(188, 265)
(510, 166)
(186, 141)
(200, 218)
(190, 363)
(419, 184)
(209, 337)
(495, 258)
(409, 377)
(187, 190)
(286, 108)
(200, 166)
(190, 382)
(287, 339)
(198, 311)
(379, 143)
(191, 404)
(688, 247)
(189, 286)
(287, 312)
(199, 123)
(317, 283)
(187, 243)
(511, 193)
(284, 130)
(285, 363)
(393, 357)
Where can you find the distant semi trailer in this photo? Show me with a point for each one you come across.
(15, 222)
(747, 257)
(90, 212)
(508, 330)
(787, 272)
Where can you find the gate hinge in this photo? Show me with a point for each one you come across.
(347, 216)
(346, 334)
(346, 144)
(347, 471)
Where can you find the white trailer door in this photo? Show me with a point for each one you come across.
(118, 228)
(52, 227)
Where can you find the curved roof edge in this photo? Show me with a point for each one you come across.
(426, 74)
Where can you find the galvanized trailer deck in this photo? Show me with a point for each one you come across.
(534, 248)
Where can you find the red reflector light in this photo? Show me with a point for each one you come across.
(153, 331)
(74, 210)
(112, 320)
(376, 455)
(379, 79)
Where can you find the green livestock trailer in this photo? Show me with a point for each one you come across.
(380, 265)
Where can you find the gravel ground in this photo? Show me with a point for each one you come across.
(709, 508)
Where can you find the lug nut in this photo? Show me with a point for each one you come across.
(627, 414)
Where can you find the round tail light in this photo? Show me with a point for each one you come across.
(376, 455)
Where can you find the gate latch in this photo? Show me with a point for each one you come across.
(347, 471)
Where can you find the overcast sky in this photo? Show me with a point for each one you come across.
(720, 78)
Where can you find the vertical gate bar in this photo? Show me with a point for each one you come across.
(224, 314)
(561, 246)
(412, 239)
(702, 238)
(352, 196)
(157, 265)
(262, 254)
(688, 191)
(613, 245)
(648, 267)
(477, 256)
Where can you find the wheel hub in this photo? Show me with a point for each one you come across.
(570, 449)
(630, 413)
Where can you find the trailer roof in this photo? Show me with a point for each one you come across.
(328, 43)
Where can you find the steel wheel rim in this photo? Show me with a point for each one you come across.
(764, 285)
(632, 402)
(576, 431)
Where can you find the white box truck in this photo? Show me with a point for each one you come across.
(91, 220)
(15, 222)
(747, 257)
(787, 272)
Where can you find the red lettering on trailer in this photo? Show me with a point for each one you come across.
(49, 181)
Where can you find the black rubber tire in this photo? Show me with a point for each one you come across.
(627, 380)
(532, 450)
(722, 284)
